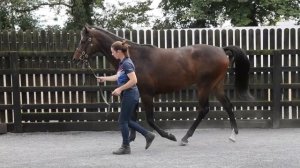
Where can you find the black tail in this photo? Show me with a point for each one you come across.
(242, 67)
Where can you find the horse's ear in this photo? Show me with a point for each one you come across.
(86, 28)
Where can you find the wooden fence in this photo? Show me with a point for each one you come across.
(42, 90)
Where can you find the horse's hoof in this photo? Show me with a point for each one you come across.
(172, 137)
(232, 137)
(183, 142)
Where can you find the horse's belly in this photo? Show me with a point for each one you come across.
(171, 87)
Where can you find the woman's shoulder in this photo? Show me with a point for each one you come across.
(128, 61)
(128, 65)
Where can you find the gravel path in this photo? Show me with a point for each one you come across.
(208, 148)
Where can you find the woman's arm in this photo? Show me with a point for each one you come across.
(107, 78)
(131, 82)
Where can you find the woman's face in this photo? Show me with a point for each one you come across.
(116, 53)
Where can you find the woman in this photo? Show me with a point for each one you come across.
(127, 89)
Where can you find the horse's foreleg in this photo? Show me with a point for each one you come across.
(148, 105)
(132, 134)
(203, 110)
(228, 107)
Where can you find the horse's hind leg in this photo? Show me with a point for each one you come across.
(148, 105)
(203, 96)
(229, 109)
(203, 110)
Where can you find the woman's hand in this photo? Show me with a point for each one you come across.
(117, 92)
(101, 79)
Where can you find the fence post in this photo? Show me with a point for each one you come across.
(16, 92)
(277, 77)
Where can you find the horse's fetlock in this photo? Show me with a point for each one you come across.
(189, 134)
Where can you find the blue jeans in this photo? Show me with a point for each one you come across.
(129, 103)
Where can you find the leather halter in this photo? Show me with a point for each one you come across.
(84, 58)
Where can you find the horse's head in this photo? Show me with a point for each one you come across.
(86, 45)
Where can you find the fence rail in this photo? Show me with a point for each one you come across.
(42, 90)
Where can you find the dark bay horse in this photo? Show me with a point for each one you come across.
(167, 70)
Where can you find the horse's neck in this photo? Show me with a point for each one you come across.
(106, 39)
(105, 43)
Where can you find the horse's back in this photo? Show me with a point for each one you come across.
(208, 50)
(202, 56)
(173, 69)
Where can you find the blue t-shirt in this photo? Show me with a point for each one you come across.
(125, 67)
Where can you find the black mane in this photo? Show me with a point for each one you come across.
(121, 39)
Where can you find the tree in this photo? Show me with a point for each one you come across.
(4, 18)
(11, 17)
(20, 12)
(94, 12)
(175, 13)
(164, 24)
(205, 13)
(81, 12)
(124, 17)
(258, 12)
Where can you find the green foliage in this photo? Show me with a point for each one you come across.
(79, 12)
(4, 18)
(11, 15)
(26, 22)
(205, 13)
(177, 13)
(261, 12)
(164, 24)
(124, 17)
(82, 12)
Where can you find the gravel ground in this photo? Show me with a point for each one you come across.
(209, 148)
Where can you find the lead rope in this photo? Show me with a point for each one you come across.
(101, 90)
